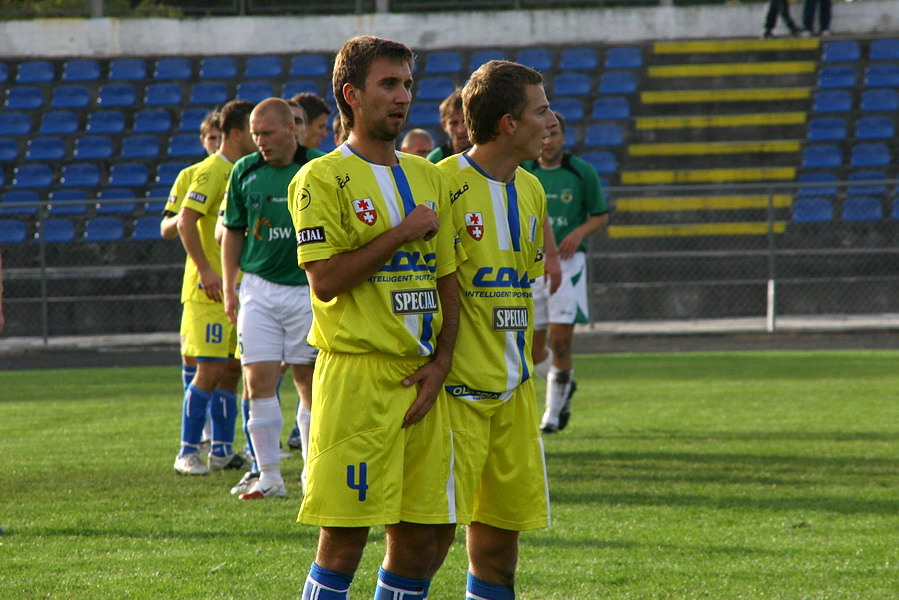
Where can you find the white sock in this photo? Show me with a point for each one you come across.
(558, 384)
(542, 368)
(265, 431)
(304, 417)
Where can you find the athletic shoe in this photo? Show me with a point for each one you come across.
(190, 464)
(231, 462)
(565, 413)
(245, 484)
(205, 447)
(294, 441)
(549, 428)
(262, 490)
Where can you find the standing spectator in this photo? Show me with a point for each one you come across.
(824, 13)
(453, 124)
(782, 8)
(417, 141)
(317, 112)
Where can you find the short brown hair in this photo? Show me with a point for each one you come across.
(236, 115)
(212, 120)
(313, 105)
(353, 61)
(451, 104)
(495, 89)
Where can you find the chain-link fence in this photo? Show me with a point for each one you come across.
(670, 253)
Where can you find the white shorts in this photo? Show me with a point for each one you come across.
(273, 322)
(569, 304)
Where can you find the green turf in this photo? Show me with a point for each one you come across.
(722, 476)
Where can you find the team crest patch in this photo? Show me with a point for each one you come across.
(475, 225)
(365, 211)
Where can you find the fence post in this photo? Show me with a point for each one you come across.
(771, 297)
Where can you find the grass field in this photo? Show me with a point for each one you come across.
(682, 476)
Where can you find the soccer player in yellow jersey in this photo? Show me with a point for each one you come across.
(499, 212)
(206, 331)
(375, 238)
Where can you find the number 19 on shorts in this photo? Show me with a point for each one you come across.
(214, 333)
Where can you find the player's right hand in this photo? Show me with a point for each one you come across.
(212, 284)
(231, 304)
(421, 224)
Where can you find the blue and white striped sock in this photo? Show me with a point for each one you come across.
(395, 587)
(322, 584)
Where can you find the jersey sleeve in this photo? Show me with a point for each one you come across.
(536, 268)
(179, 189)
(233, 205)
(202, 193)
(446, 236)
(316, 214)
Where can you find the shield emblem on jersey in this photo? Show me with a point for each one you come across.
(475, 225)
(365, 211)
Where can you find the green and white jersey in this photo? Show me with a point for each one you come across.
(257, 203)
(573, 193)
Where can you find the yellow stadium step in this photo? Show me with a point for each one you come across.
(684, 203)
(707, 175)
(705, 148)
(725, 95)
(706, 121)
(784, 67)
(694, 229)
(735, 46)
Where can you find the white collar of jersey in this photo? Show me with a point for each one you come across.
(347, 150)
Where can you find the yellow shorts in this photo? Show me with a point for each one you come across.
(500, 466)
(364, 468)
(206, 331)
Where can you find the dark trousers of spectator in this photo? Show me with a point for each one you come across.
(781, 7)
(808, 15)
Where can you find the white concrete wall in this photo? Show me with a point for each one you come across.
(257, 35)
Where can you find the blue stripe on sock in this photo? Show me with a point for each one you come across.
(478, 589)
(322, 584)
(396, 587)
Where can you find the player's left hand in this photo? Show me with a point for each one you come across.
(569, 245)
(430, 378)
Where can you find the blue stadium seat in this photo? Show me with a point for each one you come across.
(59, 122)
(841, 51)
(817, 179)
(862, 208)
(162, 94)
(299, 86)
(812, 210)
(535, 58)
(93, 147)
(146, 229)
(70, 96)
(617, 82)
(140, 146)
(9, 150)
(110, 201)
(4, 72)
(882, 75)
(424, 114)
(24, 97)
(186, 145)
(104, 229)
(822, 156)
(434, 88)
(167, 172)
(55, 230)
(884, 49)
(570, 108)
(874, 128)
(443, 62)
(32, 176)
(263, 67)
(872, 189)
(611, 108)
(156, 199)
(208, 93)
(35, 71)
(218, 67)
(12, 231)
(579, 59)
(30, 197)
(67, 202)
(834, 77)
(895, 211)
(479, 57)
(880, 100)
(192, 118)
(116, 95)
(624, 57)
(832, 101)
(127, 69)
(603, 162)
(309, 65)
(48, 148)
(173, 68)
(152, 120)
(571, 84)
(81, 69)
(14, 123)
(604, 135)
(254, 91)
(80, 174)
(827, 129)
(870, 155)
(128, 174)
(106, 121)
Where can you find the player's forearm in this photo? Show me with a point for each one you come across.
(593, 224)
(549, 240)
(190, 239)
(232, 247)
(448, 292)
(168, 228)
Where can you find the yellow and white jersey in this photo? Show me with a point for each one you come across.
(339, 203)
(204, 195)
(499, 251)
(179, 189)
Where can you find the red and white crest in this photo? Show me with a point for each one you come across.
(365, 211)
(475, 225)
